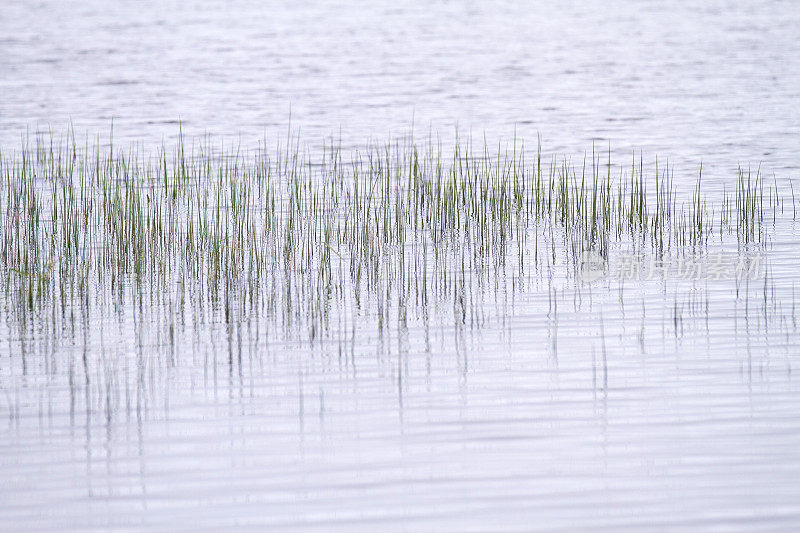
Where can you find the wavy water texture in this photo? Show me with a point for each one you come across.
(398, 335)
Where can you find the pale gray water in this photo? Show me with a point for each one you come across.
(715, 81)
(652, 406)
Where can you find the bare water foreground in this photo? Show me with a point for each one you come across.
(395, 338)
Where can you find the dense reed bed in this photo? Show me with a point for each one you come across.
(277, 230)
(131, 274)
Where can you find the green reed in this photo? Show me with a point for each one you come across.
(277, 229)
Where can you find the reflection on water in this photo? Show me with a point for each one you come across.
(446, 361)
(617, 406)
(396, 338)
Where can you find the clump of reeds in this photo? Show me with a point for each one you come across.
(275, 229)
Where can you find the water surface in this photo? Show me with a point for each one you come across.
(533, 402)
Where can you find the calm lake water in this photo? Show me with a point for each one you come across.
(624, 403)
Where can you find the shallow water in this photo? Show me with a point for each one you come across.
(542, 403)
